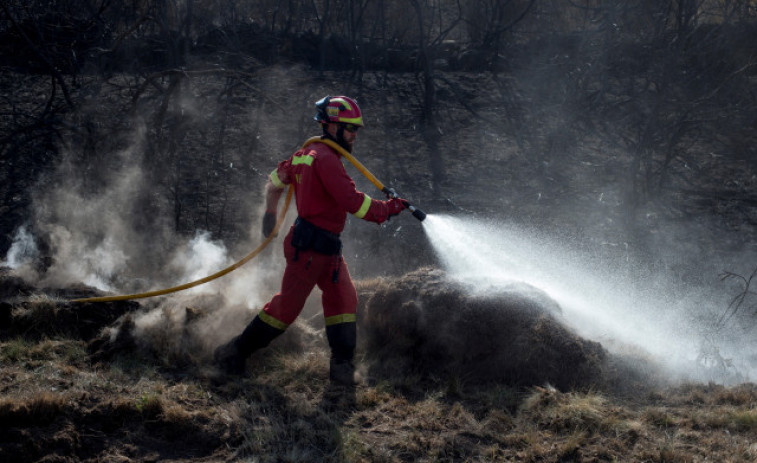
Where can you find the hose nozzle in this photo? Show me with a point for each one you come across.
(417, 213)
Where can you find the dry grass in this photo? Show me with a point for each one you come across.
(550, 409)
(37, 315)
(36, 409)
(58, 402)
(287, 411)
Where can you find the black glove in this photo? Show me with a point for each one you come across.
(269, 221)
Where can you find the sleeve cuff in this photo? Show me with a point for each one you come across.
(360, 213)
(275, 179)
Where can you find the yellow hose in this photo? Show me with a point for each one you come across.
(417, 213)
(349, 157)
(259, 249)
(244, 260)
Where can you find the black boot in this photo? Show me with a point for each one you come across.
(342, 340)
(342, 372)
(231, 357)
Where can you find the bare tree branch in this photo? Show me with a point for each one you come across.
(53, 70)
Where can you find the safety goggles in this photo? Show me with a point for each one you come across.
(351, 128)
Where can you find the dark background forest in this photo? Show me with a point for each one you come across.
(604, 119)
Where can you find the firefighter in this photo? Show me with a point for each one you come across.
(324, 194)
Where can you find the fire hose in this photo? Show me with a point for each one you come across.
(218, 274)
(390, 193)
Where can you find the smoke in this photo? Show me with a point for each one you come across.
(23, 250)
(192, 322)
(100, 234)
(620, 301)
(89, 235)
(199, 258)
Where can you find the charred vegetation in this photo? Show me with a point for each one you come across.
(127, 128)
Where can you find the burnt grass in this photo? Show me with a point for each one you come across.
(447, 376)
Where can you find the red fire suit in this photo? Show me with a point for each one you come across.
(324, 194)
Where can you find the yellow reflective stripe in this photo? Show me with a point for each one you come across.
(343, 318)
(279, 325)
(342, 101)
(276, 180)
(352, 120)
(364, 207)
(303, 159)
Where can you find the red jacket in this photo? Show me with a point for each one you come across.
(324, 193)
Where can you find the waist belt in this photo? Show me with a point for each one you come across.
(308, 236)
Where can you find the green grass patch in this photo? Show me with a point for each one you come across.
(15, 350)
(745, 420)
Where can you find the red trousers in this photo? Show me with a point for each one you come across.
(300, 277)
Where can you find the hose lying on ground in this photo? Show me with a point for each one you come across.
(219, 274)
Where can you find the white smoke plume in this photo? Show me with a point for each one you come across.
(90, 239)
(98, 240)
(23, 251)
(197, 259)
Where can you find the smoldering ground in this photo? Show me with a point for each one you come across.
(106, 234)
(101, 240)
(421, 323)
(422, 326)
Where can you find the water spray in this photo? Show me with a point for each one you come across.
(620, 301)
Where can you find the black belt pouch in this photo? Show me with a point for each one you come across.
(303, 235)
(308, 236)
